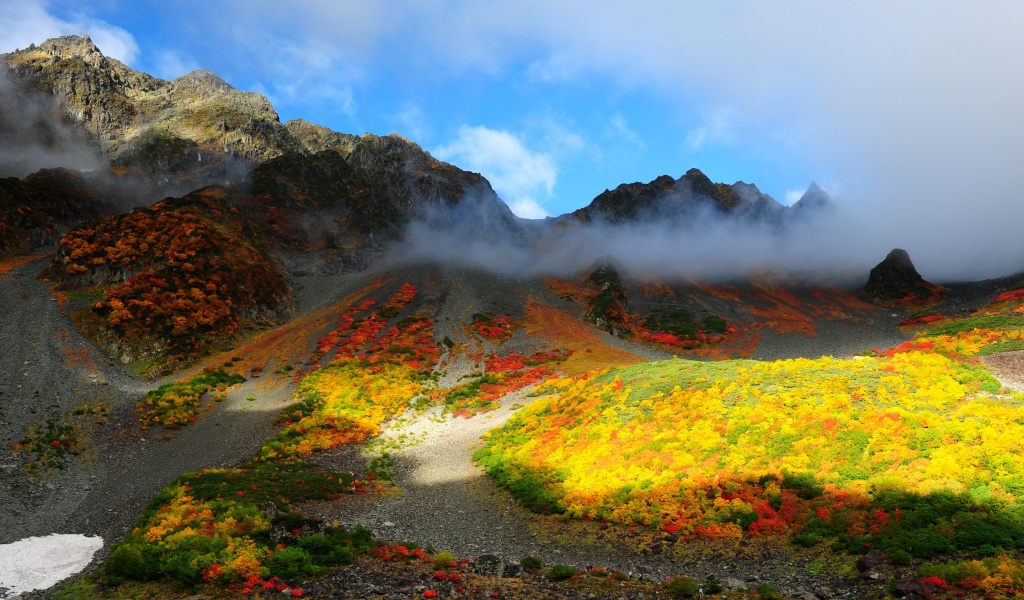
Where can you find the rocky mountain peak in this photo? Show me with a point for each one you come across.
(700, 184)
(68, 46)
(202, 79)
(674, 201)
(813, 199)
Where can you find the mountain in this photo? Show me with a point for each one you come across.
(689, 199)
(198, 130)
(814, 199)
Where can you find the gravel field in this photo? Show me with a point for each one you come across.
(1008, 367)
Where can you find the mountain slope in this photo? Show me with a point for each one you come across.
(174, 280)
(198, 130)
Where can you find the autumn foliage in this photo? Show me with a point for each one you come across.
(790, 447)
(371, 379)
(494, 328)
(182, 273)
(175, 405)
(502, 375)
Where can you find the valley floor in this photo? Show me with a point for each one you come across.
(47, 369)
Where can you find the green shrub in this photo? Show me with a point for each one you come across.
(768, 592)
(444, 560)
(806, 540)
(987, 550)
(676, 322)
(682, 587)
(715, 324)
(531, 563)
(803, 484)
(1001, 322)
(899, 557)
(182, 567)
(713, 586)
(740, 516)
(381, 466)
(141, 563)
(292, 563)
(561, 572)
(281, 483)
(336, 546)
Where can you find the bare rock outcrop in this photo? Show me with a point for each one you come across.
(896, 279)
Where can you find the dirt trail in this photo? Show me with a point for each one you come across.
(450, 504)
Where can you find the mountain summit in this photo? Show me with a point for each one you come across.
(690, 198)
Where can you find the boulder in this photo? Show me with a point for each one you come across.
(731, 583)
(512, 570)
(488, 564)
(870, 560)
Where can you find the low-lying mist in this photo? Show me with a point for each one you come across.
(837, 244)
(35, 136)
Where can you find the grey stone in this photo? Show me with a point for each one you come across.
(488, 564)
(731, 583)
(870, 560)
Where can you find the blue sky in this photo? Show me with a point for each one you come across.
(555, 101)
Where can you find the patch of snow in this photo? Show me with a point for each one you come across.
(37, 563)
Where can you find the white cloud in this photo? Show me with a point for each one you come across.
(516, 173)
(171, 65)
(557, 68)
(620, 130)
(28, 21)
(414, 123)
(716, 130)
(304, 69)
(792, 197)
(528, 208)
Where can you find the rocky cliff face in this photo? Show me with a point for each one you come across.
(123, 108)
(427, 189)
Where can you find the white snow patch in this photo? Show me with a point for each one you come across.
(37, 563)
